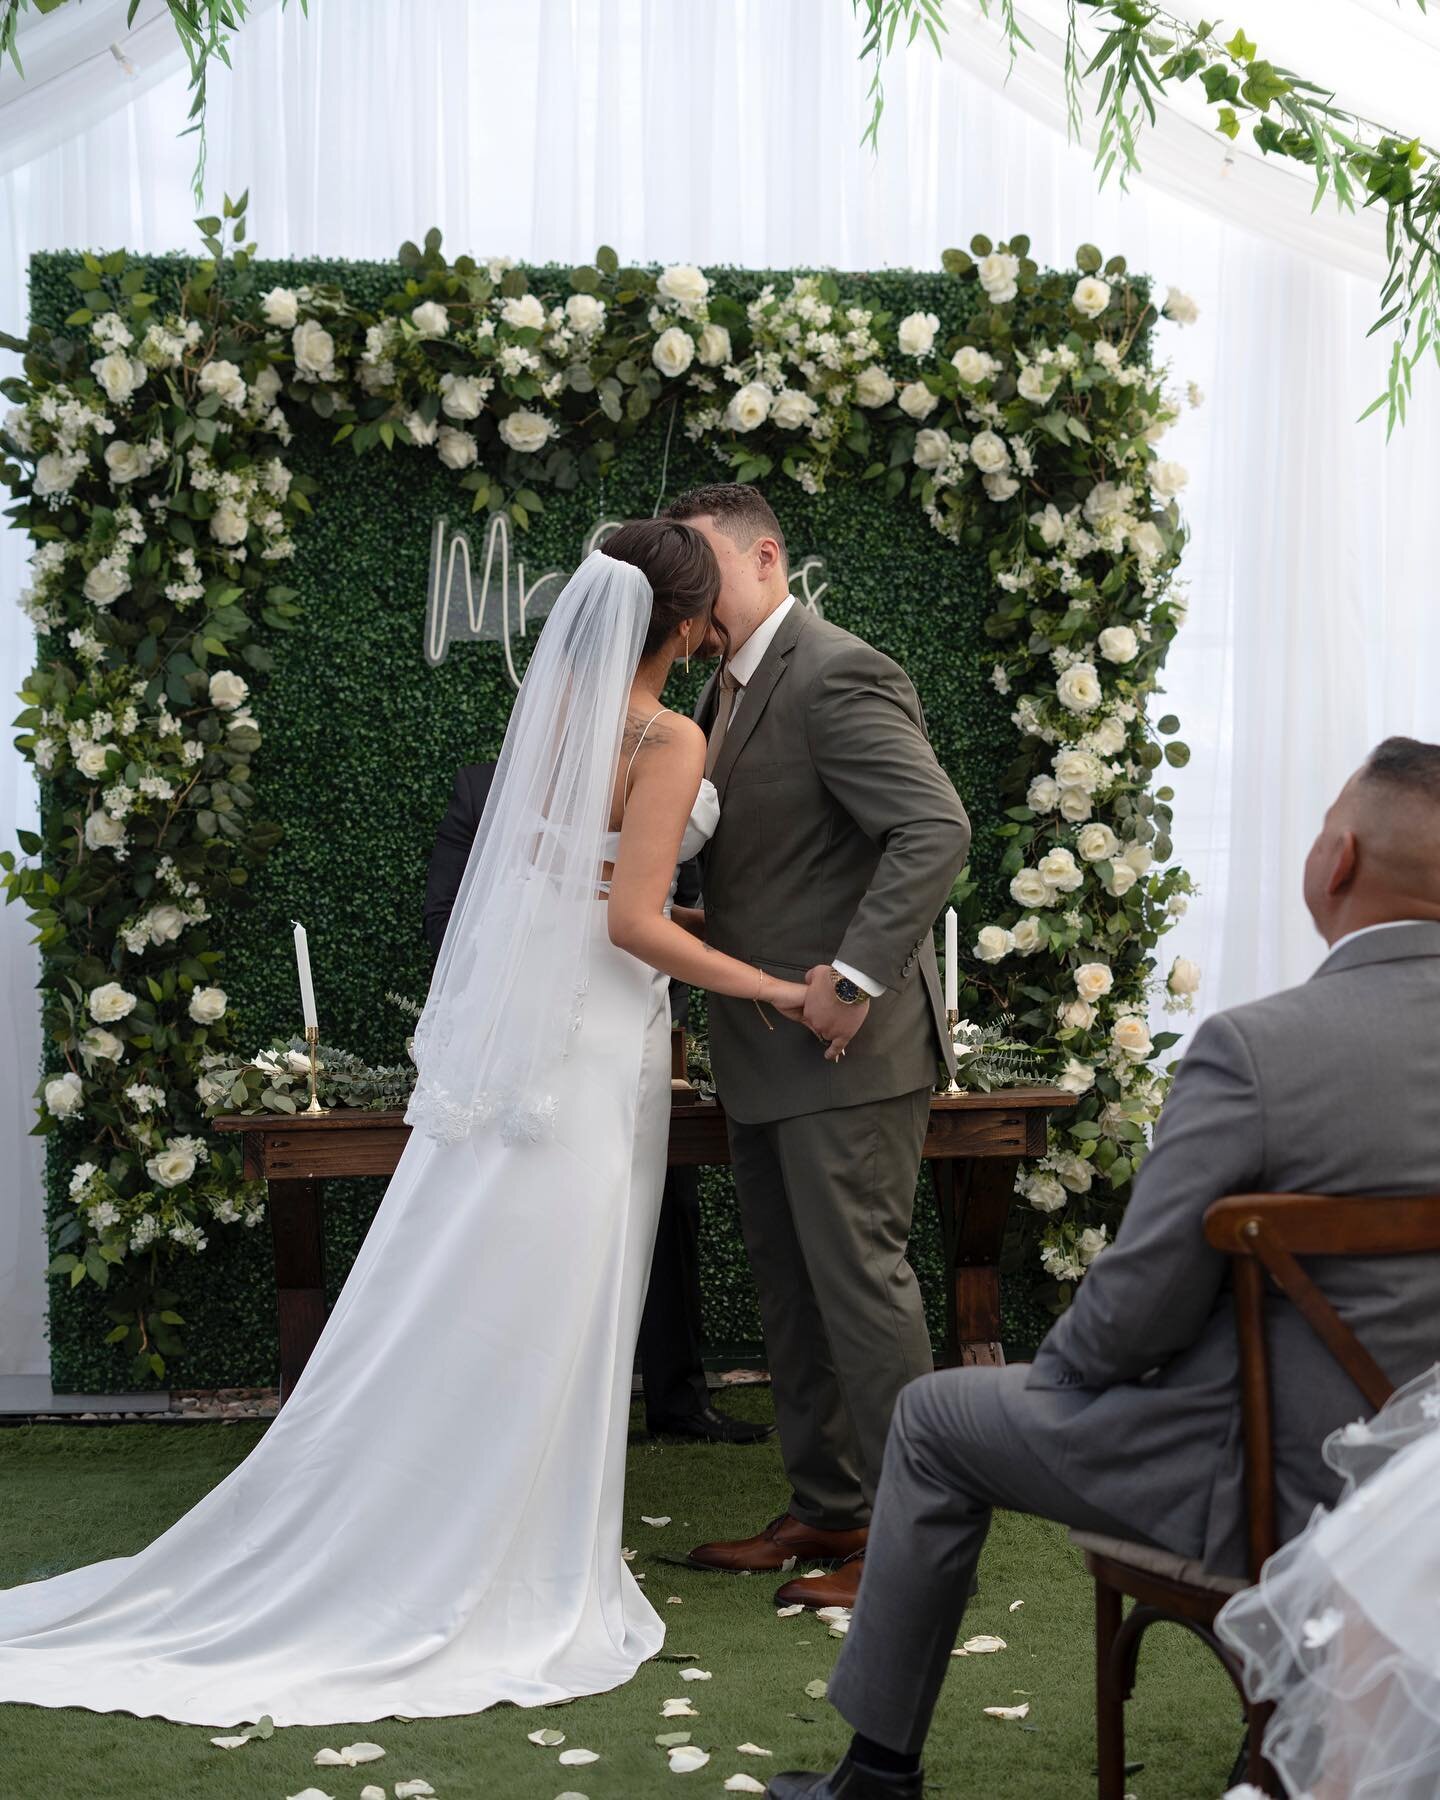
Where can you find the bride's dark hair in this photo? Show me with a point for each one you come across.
(681, 569)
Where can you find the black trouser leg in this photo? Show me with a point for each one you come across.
(671, 1345)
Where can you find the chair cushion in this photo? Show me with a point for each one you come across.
(1149, 1559)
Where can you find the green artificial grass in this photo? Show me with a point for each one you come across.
(70, 1495)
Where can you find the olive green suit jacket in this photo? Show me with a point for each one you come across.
(840, 837)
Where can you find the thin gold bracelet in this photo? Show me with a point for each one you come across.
(759, 989)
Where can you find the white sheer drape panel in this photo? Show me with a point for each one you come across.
(731, 133)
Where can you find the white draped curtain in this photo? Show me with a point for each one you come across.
(729, 133)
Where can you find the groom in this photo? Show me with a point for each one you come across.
(839, 839)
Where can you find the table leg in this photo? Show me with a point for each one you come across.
(973, 1194)
(297, 1230)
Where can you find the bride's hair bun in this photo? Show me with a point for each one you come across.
(680, 566)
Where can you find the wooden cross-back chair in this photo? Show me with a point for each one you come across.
(1266, 1234)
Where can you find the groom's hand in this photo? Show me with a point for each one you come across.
(832, 1021)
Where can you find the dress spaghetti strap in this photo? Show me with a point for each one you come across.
(625, 792)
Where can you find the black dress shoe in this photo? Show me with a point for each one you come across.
(711, 1427)
(847, 1781)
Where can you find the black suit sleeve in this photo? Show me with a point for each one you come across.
(452, 846)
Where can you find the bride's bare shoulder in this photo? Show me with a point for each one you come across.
(670, 738)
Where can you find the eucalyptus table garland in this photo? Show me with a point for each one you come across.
(146, 448)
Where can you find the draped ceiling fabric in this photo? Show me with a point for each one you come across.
(731, 133)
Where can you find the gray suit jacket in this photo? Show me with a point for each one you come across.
(1329, 1088)
(840, 836)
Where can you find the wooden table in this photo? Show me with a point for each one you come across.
(973, 1146)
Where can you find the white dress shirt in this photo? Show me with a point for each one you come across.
(742, 665)
(1384, 925)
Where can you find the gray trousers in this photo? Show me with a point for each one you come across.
(962, 1442)
(825, 1206)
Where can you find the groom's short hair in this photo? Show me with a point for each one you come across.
(742, 512)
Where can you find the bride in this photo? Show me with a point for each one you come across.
(433, 1522)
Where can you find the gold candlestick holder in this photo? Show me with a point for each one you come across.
(952, 1019)
(312, 1040)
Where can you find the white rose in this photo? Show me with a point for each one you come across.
(526, 431)
(99, 1045)
(1091, 1241)
(90, 759)
(1000, 487)
(584, 313)
(223, 378)
(683, 284)
(1074, 1171)
(1091, 296)
(988, 452)
(1060, 871)
(932, 448)
(461, 396)
(1122, 879)
(228, 690)
(973, 365)
(228, 524)
(1180, 307)
(1050, 525)
(164, 923)
(1168, 478)
(916, 400)
(993, 943)
(1139, 857)
(102, 832)
(1029, 936)
(1078, 1015)
(749, 406)
(1030, 888)
(458, 449)
(266, 385)
(674, 351)
(207, 1004)
(1146, 542)
(126, 462)
(1079, 688)
(997, 276)
(1036, 384)
(430, 319)
(1132, 1035)
(1076, 1077)
(524, 312)
(65, 1095)
(916, 334)
(313, 346)
(1043, 794)
(791, 409)
(110, 1002)
(1119, 644)
(1097, 843)
(53, 474)
(118, 374)
(281, 307)
(1104, 502)
(714, 346)
(1093, 981)
(1108, 737)
(873, 387)
(421, 430)
(170, 1167)
(1184, 977)
(1075, 805)
(105, 584)
(1044, 1191)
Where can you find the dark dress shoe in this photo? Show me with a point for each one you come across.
(847, 1781)
(711, 1427)
(838, 1588)
(784, 1540)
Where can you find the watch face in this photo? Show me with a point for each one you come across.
(846, 990)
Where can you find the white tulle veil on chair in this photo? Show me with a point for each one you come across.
(513, 969)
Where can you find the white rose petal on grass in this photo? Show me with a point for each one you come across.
(678, 1709)
(984, 1646)
(668, 1740)
(1015, 1605)
(229, 1743)
(350, 1755)
(412, 1790)
(832, 1615)
(1022, 1711)
(816, 1689)
(686, 1759)
(788, 1612)
(752, 1750)
(310, 1794)
(744, 1784)
(696, 1675)
(814, 1574)
(547, 1740)
(664, 1519)
(372, 1792)
(674, 1600)
(574, 1759)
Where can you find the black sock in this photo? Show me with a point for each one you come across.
(881, 1758)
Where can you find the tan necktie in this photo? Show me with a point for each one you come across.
(730, 690)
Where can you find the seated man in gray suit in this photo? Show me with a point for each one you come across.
(1128, 1421)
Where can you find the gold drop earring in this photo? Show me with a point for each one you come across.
(687, 649)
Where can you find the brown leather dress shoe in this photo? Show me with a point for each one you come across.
(784, 1541)
(839, 1588)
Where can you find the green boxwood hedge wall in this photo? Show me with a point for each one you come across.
(362, 738)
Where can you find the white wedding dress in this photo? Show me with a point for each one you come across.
(433, 1522)
(1342, 1631)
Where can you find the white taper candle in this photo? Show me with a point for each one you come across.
(307, 986)
(952, 961)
